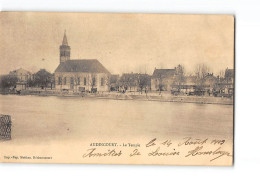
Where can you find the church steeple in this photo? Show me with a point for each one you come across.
(65, 42)
(64, 49)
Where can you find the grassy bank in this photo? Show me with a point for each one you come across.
(164, 97)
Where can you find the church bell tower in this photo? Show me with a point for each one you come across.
(64, 49)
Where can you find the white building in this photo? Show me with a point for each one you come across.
(80, 74)
(23, 77)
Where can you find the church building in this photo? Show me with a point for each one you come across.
(81, 74)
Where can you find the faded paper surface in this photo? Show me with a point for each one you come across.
(117, 88)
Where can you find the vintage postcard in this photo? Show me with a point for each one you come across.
(111, 88)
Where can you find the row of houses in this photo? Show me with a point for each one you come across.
(170, 80)
(89, 75)
(84, 79)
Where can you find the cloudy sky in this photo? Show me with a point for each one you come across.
(121, 42)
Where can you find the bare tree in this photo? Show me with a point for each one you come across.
(43, 78)
(7, 81)
(221, 73)
(123, 82)
(128, 81)
(201, 71)
(143, 82)
(221, 76)
(179, 79)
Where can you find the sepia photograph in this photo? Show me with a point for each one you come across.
(117, 88)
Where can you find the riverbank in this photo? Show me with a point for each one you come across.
(164, 97)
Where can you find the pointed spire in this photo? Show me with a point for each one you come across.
(65, 42)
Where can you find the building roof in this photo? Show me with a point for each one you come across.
(19, 71)
(158, 73)
(82, 65)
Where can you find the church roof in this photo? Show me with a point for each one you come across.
(159, 73)
(82, 65)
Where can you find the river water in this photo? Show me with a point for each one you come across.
(37, 118)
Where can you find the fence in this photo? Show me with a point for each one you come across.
(5, 127)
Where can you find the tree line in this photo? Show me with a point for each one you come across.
(42, 79)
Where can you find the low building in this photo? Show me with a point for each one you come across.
(23, 77)
(189, 85)
(225, 86)
(162, 79)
